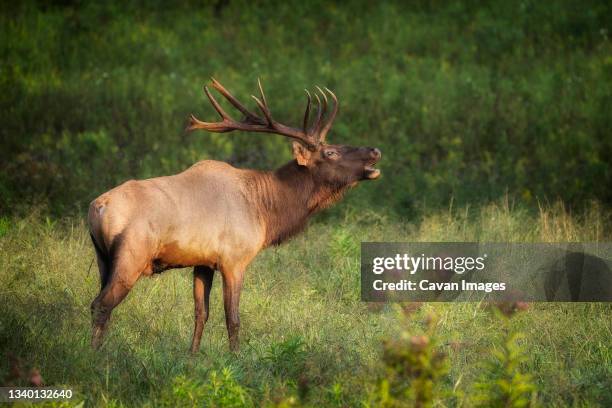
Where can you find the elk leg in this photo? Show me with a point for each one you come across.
(202, 284)
(232, 285)
(104, 269)
(104, 264)
(123, 278)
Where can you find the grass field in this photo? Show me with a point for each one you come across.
(306, 337)
(474, 104)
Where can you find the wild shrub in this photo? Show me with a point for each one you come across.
(414, 366)
(286, 358)
(503, 382)
(220, 390)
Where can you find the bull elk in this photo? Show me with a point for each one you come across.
(214, 216)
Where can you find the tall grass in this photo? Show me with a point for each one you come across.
(306, 337)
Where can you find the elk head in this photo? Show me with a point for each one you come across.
(328, 163)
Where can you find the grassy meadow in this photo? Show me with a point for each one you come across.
(494, 123)
(307, 339)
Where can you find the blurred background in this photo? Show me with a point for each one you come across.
(469, 101)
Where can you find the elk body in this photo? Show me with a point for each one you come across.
(215, 217)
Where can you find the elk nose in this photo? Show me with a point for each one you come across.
(375, 153)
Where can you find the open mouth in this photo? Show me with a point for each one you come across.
(370, 172)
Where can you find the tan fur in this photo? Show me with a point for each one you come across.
(212, 215)
(215, 217)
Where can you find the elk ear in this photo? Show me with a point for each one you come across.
(301, 154)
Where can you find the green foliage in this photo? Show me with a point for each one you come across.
(343, 244)
(415, 366)
(220, 390)
(286, 358)
(504, 384)
(469, 100)
(5, 225)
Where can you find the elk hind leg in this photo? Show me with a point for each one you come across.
(232, 286)
(202, 284)
(125, 272)
(104, 263)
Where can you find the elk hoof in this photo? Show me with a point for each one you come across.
(96, 338)
(235, 347)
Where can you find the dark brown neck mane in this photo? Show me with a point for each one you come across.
(287, 197)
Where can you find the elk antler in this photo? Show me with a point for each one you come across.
(310, 137)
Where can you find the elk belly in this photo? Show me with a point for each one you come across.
(176, 255)
(438, 286)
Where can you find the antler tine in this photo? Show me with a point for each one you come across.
(264, 109)
(324, 99)
(314, 129)
(247, 113)
(263, 104)
(331, 118)
(220, 127)
(324, 106)
(322, 109)
(261, 92)
(307, 111)
(215, 104)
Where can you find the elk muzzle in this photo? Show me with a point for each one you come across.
(370, 172)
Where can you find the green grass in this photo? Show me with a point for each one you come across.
(466, 99)
(305, 335)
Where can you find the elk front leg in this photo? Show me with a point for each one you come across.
(232, 285)
(202, 284)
